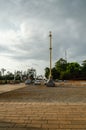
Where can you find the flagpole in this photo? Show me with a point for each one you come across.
(50, 35)
(50, 83)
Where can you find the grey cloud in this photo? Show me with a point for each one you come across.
(65, 18)
(36, 50)
(4, 49)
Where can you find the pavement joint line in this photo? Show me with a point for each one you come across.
(42, 115)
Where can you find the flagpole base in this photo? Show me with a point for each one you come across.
(50, 83)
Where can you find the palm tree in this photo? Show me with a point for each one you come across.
(2, 71)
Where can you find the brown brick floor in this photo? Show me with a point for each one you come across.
(30, 108)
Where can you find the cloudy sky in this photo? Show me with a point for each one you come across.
(24, 32)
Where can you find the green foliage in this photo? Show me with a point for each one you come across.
(64, 70)
(83, 69)
(55, 73)
(47, 70)
(61, 65)
(73, 69)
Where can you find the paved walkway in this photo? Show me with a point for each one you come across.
(25, 114)
(42, 116)
(6, 88)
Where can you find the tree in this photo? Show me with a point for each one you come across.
(47, 71)
(0, 75)
(65, 75)
(55, 73)
(2, 71)
(64, 70)
(83, 69)
(61, 66)
(9, 76)
(74, 69)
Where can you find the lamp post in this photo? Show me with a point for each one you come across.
(50, 82)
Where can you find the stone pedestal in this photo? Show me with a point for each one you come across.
(50, 83)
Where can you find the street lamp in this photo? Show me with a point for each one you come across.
(50, 82)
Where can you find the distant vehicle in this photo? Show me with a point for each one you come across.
(37, 82)
(45, 82)
(28, 81)
(59, 80)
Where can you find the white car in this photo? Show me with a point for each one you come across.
(37, 82)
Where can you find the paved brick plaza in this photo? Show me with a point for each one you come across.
(42, 108)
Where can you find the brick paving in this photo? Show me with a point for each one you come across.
(6, 88)
(43, 108)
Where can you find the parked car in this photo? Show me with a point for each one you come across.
(45, 82)
(28, 81)
(37, 82)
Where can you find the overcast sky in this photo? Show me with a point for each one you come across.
(24, 32)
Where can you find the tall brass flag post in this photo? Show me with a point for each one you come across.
(50, 83)
(50, 35)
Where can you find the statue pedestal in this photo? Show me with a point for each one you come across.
(50, 83)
